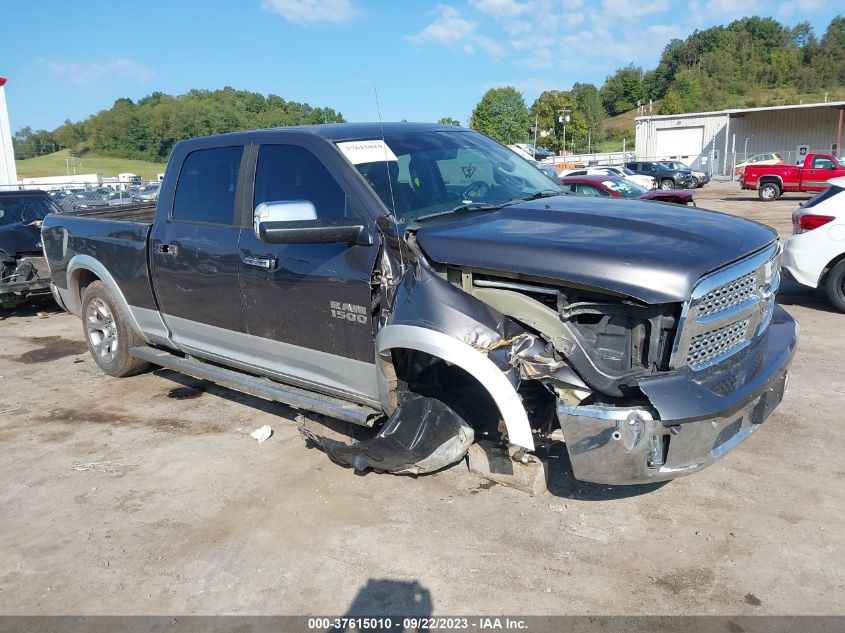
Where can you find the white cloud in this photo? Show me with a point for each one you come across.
(501, 9)
(451, 29)
(88, 72)
(800, 7)
(615, 10)
(311, 11)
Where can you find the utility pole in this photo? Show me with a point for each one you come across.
(536, 119)
(564, 118)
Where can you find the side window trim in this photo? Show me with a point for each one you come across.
(238, 197)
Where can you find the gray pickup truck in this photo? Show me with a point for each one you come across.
(421, 286)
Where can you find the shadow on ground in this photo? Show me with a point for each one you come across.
(381, 598)
(35, 307)
(792, 293)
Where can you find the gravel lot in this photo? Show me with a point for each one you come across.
(118, 497)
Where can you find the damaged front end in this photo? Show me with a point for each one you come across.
(638, 392)
(22, 277)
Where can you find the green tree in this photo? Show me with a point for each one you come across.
(70, 134)
(447, 120)
(501, 114)
(588, 104)
(622, 90)
(546, 111)
(671, 103)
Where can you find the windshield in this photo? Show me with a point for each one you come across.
(624, 187)
(628, 172)
(428, 173)
(25, 209)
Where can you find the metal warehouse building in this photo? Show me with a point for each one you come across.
(716, 141)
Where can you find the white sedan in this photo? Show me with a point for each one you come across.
(815, 254)
(611, 170)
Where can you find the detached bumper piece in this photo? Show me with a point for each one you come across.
(421, 436)
(692, 420)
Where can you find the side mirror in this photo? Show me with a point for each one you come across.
(295, 222)
(283, 211)
(314, 232)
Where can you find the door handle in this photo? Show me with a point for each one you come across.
(167, 249)
(259, 262)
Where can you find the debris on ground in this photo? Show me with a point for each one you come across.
(422, 435)
(262, 434)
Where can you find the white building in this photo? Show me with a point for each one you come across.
(8, 173)
(716, 141)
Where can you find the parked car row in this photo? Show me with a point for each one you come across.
(615, 187)
(103, 197)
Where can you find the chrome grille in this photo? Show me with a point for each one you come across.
(727, 310)
(728, 296)
(710, 345)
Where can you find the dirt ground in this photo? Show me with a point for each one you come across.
(139, 496)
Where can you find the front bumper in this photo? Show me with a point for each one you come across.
(694, 418)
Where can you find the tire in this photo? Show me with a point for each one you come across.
(693, 183)
(769, 192)
(835, 286)
(666, 184)
(107, 331)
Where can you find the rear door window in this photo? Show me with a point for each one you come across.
(205, 191)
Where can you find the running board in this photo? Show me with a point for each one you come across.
(261, 387)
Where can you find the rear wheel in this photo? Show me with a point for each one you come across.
(836, 286)
(109, 336)
(769, 191)
(667, 184)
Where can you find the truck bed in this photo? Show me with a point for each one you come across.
(143, 212)
(117, 237)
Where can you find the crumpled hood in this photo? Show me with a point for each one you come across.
(20, 238)
(649, 251)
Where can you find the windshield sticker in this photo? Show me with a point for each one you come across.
(359, 152)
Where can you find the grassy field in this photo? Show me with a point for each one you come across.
(55, 164)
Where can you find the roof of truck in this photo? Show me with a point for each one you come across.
(340, 131)
(22, 192)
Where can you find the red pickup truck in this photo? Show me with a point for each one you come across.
(771, 181)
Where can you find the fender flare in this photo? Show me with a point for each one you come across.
(79, 263)
(469, 359)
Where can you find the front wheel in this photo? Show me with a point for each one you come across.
(836, 286)
(769, 192)
(109, 336)
(667, 184)
(693, 183)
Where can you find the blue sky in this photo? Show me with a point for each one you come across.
(428, 59)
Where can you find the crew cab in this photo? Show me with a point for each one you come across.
(666, 177)
(421, 286)
(23, 270)
(771, 181)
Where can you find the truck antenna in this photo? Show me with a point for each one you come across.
(386, 161)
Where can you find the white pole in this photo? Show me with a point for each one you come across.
(8, 171)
